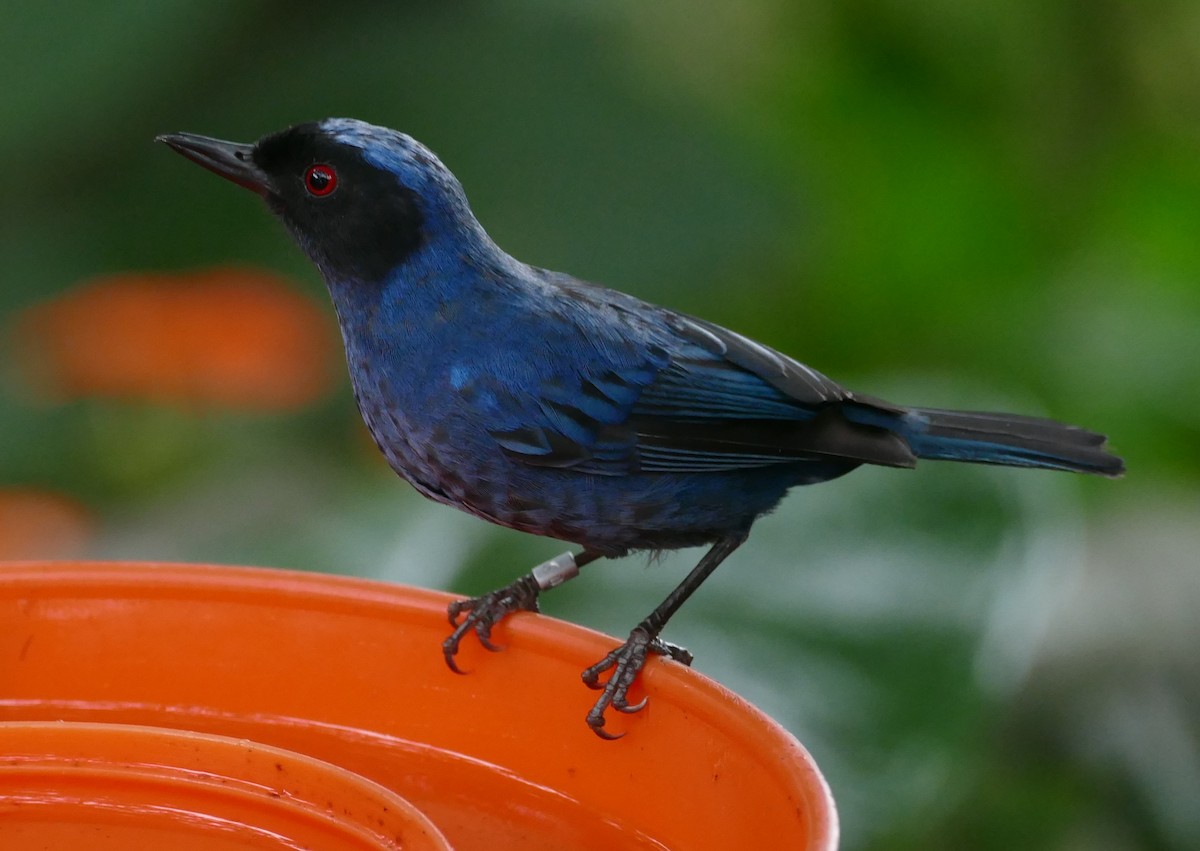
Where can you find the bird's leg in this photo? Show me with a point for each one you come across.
(483, 613)
(627, 661)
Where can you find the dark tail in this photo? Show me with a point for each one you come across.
(985, 438)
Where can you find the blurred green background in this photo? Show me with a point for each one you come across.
(967, 204)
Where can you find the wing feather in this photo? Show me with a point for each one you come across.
(682, 395)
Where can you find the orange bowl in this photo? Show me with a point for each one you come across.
(65, 786)
(350, 672)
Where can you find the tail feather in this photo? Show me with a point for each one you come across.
(995, 438)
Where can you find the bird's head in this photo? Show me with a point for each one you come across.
(361, 200)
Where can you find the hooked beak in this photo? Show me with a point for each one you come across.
(231, 160)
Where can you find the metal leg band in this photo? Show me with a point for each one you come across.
(556, 571)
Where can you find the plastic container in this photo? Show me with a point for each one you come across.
(66, 786)
(350, 672)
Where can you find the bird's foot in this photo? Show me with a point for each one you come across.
(625, 662)
(483, 613)
(480, 614)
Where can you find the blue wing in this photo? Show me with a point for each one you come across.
(644, 390)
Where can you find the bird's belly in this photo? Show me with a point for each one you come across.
(612, 514)
(452, 460)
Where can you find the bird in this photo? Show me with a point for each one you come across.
(544, 403)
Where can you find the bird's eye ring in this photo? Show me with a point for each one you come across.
(320, 180)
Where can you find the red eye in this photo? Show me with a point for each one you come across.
(320, 179)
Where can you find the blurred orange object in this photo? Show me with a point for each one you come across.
(120, 787)
(349, 671)
(238, 338)
(40, 524)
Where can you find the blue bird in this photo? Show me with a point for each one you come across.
(544, 403)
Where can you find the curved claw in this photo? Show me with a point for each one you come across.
(598, 728)
(625, 662)
(486, 640)
(480, 614)
(449, 651)
(629, 709)
(475, 620)
(595, 719)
